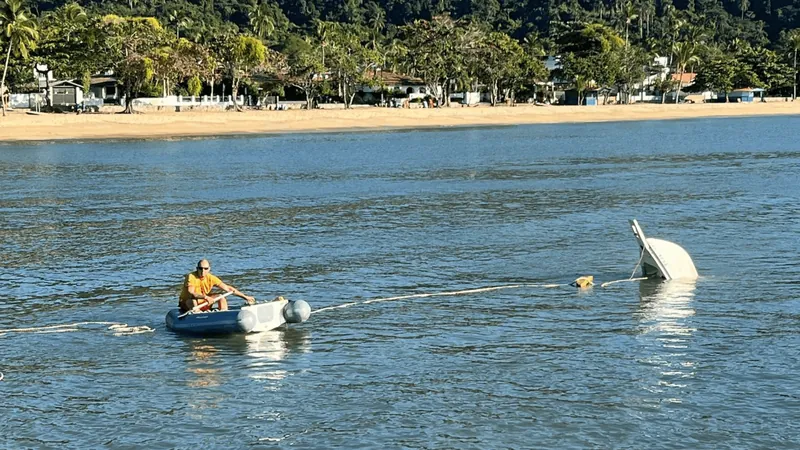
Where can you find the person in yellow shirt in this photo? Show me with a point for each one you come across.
(197, 288)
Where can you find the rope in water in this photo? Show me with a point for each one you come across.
(641, 255)
(478, 290)
(609, 283)
(438, 294)
(119, 329)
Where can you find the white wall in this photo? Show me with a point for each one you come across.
(178, 100)
(21, 101)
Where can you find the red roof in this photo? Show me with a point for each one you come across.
(688, 77)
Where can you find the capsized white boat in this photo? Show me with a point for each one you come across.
(246, 319)
(663, 259)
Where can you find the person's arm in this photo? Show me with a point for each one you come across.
(250, 300)
(196, 294)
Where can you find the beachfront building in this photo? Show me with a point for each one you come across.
(105, 88)
(469, 98)
(554, 89)
(657, 71)
(389, 84)
(66, 94)
(590, 97)
(686, 82)
(63, 94)
(562, 91)
(745, 95)
(546, 89)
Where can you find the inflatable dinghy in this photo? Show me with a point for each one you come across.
(246, 319)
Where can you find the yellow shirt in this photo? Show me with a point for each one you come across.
(200, 285)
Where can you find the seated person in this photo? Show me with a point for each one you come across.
(197, 286)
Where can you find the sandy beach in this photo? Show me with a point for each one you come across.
(18, 126)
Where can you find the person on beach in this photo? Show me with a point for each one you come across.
(197, 286)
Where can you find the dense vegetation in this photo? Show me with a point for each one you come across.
(317, 47)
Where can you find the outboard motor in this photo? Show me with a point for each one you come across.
(663, 259)
(296, 311)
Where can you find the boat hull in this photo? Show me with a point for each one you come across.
(663, 259)
(247, 319)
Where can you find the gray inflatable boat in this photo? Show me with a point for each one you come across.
(246, 319)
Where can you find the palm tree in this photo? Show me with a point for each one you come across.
(392, 53)
(377, 23)
(323, 30)
(743, 5)
(198, 32)
(673, 26)
(794, 45)
(647, 10)
(262, 21)
(535, 45)
(20, 31)
(698, 35)
(629, 13)
(685, 54)
(180, 20)
(72, 13)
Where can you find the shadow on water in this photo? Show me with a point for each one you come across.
(665, 327)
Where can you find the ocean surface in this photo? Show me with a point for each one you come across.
(103, 232)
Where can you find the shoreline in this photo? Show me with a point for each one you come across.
(20, 127)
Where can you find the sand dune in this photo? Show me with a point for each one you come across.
(18, 126)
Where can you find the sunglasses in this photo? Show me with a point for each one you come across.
(203, 268)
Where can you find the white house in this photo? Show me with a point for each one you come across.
(395, 83)
(660, 71)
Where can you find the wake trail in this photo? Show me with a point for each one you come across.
(118, 328)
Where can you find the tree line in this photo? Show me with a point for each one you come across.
(330, 48)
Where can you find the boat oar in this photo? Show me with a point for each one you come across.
(199, 307)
